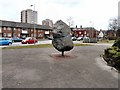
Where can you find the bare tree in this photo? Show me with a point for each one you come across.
(113, 24)
(70, 21)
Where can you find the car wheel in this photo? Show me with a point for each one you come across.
(10, 44)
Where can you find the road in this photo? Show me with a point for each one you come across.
(50, 42)
(82, 67)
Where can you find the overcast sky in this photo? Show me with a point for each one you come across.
(87, 13)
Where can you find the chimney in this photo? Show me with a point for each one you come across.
(76, 26)
(81, 26)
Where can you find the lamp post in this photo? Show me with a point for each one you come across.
(33, 20)
(92, 34)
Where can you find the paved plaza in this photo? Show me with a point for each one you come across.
(82, 67)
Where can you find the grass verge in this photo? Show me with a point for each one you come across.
(39, 46)
(106, 41)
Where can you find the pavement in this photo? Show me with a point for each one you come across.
(81, 67)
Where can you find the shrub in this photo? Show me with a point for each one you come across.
(112, 56)
(117, 43)
(117, 65)
(112, 51)
(117, 55)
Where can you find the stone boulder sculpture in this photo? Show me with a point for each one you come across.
(61, 37)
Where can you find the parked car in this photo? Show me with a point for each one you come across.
(49, 38)
(16, 39)
(74, 38)
(5, 41)
(29, 40)
(93, 40)
(79, 38)
(86, 39)
(89, 40)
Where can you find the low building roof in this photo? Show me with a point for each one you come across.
(23, 25)
(85, 28)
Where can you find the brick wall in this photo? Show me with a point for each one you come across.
(17, 32)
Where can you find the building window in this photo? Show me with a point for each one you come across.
(47, 32)
(14, 35)
(9, 28)
(40, 35)
(79, 32)
(4, 28)
(40, 30)
(0, 30)
(4, 34)
(31, 30)
(18, 35)
(18, 29)
(14, 29)
(9, 34)
(34, 35)
(31, 35)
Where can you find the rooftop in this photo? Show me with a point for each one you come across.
(23, 25)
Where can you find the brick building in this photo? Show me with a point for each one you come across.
(85, 32)
(17, 29)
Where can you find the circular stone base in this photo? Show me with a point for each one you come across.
(58, 56)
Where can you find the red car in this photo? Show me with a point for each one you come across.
(29, 40)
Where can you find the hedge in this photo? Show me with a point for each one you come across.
(112, 55)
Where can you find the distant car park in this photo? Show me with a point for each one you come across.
(5, 41)
(89, 40)
(29, 40)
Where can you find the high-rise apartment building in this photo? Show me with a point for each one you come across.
(47, 22)
(29, 16)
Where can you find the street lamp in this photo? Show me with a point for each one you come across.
(92, 34)
(33, 20)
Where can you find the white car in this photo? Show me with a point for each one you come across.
(86, 40)
(79, 38)
(74, 38)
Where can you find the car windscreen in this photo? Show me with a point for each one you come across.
(27, 38)
(6, 39)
